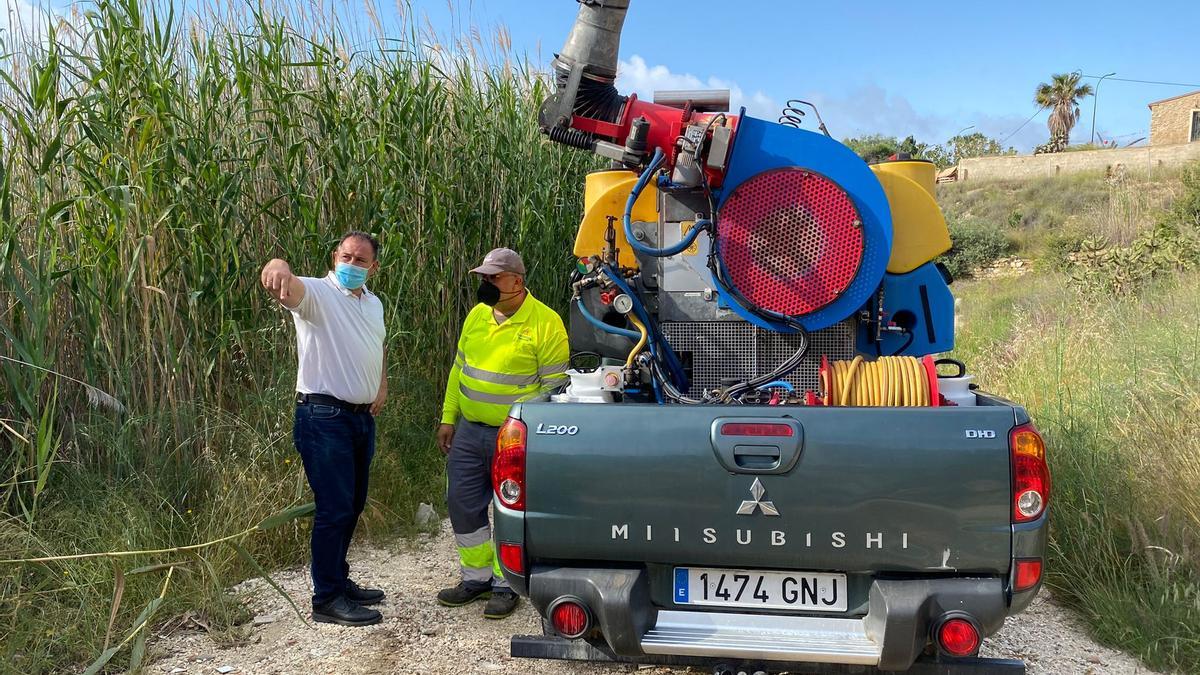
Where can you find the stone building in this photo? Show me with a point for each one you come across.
(1175, 119)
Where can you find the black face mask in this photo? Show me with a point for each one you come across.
(488, 293)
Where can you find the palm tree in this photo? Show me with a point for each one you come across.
(1062, 97)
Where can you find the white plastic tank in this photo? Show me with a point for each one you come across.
(596, 386)
(956, 388)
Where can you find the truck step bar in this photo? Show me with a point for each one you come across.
(758, 637)
(557, 648)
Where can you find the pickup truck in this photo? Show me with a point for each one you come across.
(722, 499)
(772, 538)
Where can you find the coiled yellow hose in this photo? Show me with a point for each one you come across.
(887, 381)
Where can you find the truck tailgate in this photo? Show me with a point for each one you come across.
(867, 490)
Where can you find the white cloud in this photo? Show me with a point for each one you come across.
(20, 17)
(870, 109)
(635, 75)
(867, 109)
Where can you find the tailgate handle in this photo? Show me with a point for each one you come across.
(757, 445)
(756, 456)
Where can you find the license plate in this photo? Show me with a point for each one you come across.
(809, 591)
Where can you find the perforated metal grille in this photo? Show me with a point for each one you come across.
(791, 240)
(717, 350)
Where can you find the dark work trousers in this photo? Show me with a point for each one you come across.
(468, 495)
(336, 446)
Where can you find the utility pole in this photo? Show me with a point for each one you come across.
(1096, 97)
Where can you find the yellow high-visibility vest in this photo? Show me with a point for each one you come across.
(499, 364)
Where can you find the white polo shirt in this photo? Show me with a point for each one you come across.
(339, 341)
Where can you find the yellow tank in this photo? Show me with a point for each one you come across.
(922, 173)
(919, 232)
(604, 195)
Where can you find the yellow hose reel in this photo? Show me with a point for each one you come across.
(901, 381)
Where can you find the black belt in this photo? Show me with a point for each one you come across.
(322, 399)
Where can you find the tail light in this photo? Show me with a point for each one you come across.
(1027, 574)
(1030, 474)
(512, 557)
(508, 467)
(958, 636)
(570, 618)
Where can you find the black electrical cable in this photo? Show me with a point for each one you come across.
(717, 270)
(1122, 79)
(907, 344)
(707, 127)
(898, 352)
(1014, 133)
(668, 387)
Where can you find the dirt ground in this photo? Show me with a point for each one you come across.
(419, 636)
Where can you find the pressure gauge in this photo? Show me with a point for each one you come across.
(623, 303)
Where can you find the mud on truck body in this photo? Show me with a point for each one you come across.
(757, 465)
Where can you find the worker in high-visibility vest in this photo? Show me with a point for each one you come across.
(512, 347)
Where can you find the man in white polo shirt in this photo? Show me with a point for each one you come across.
(340, 387)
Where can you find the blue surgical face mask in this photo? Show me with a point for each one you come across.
(350, 276)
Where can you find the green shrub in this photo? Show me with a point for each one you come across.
(976, 245)
(1172, 245)
(1062, 249)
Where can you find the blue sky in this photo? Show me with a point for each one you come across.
(930, 69)
(923, 68)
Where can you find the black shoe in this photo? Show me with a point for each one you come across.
(363, 596)
(462, 594)
(502, 603)
(345, 613)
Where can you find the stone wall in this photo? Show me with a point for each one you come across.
(1144, 159)
(1171, 120)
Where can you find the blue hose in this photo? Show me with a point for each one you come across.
(632, 335)
(672, 361)
(623, 332)
(674, 249)
(779, 383)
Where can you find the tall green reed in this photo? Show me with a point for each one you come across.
(151, 169)
(151, 160)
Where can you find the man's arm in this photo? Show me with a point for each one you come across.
(554, 356)
(380, 397)
(450, 402)
(281, 284)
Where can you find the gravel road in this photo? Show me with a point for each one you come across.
(419, 636)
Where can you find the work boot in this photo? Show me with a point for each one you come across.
(345, 613)
(462, 594)
(363, 596)
(502, 603)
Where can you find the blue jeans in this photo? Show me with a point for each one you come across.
(336, 447)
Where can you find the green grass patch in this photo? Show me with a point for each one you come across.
(1114, 384)
(1037, 215)
(55, 614)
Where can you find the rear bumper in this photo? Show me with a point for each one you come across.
(891, 636)
(543, 647)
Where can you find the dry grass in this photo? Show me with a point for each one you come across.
(1113, 383)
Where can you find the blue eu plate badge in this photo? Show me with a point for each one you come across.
(681, 585)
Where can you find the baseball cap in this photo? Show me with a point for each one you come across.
(501, 260)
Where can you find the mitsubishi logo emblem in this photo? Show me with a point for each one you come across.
(758, 492)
